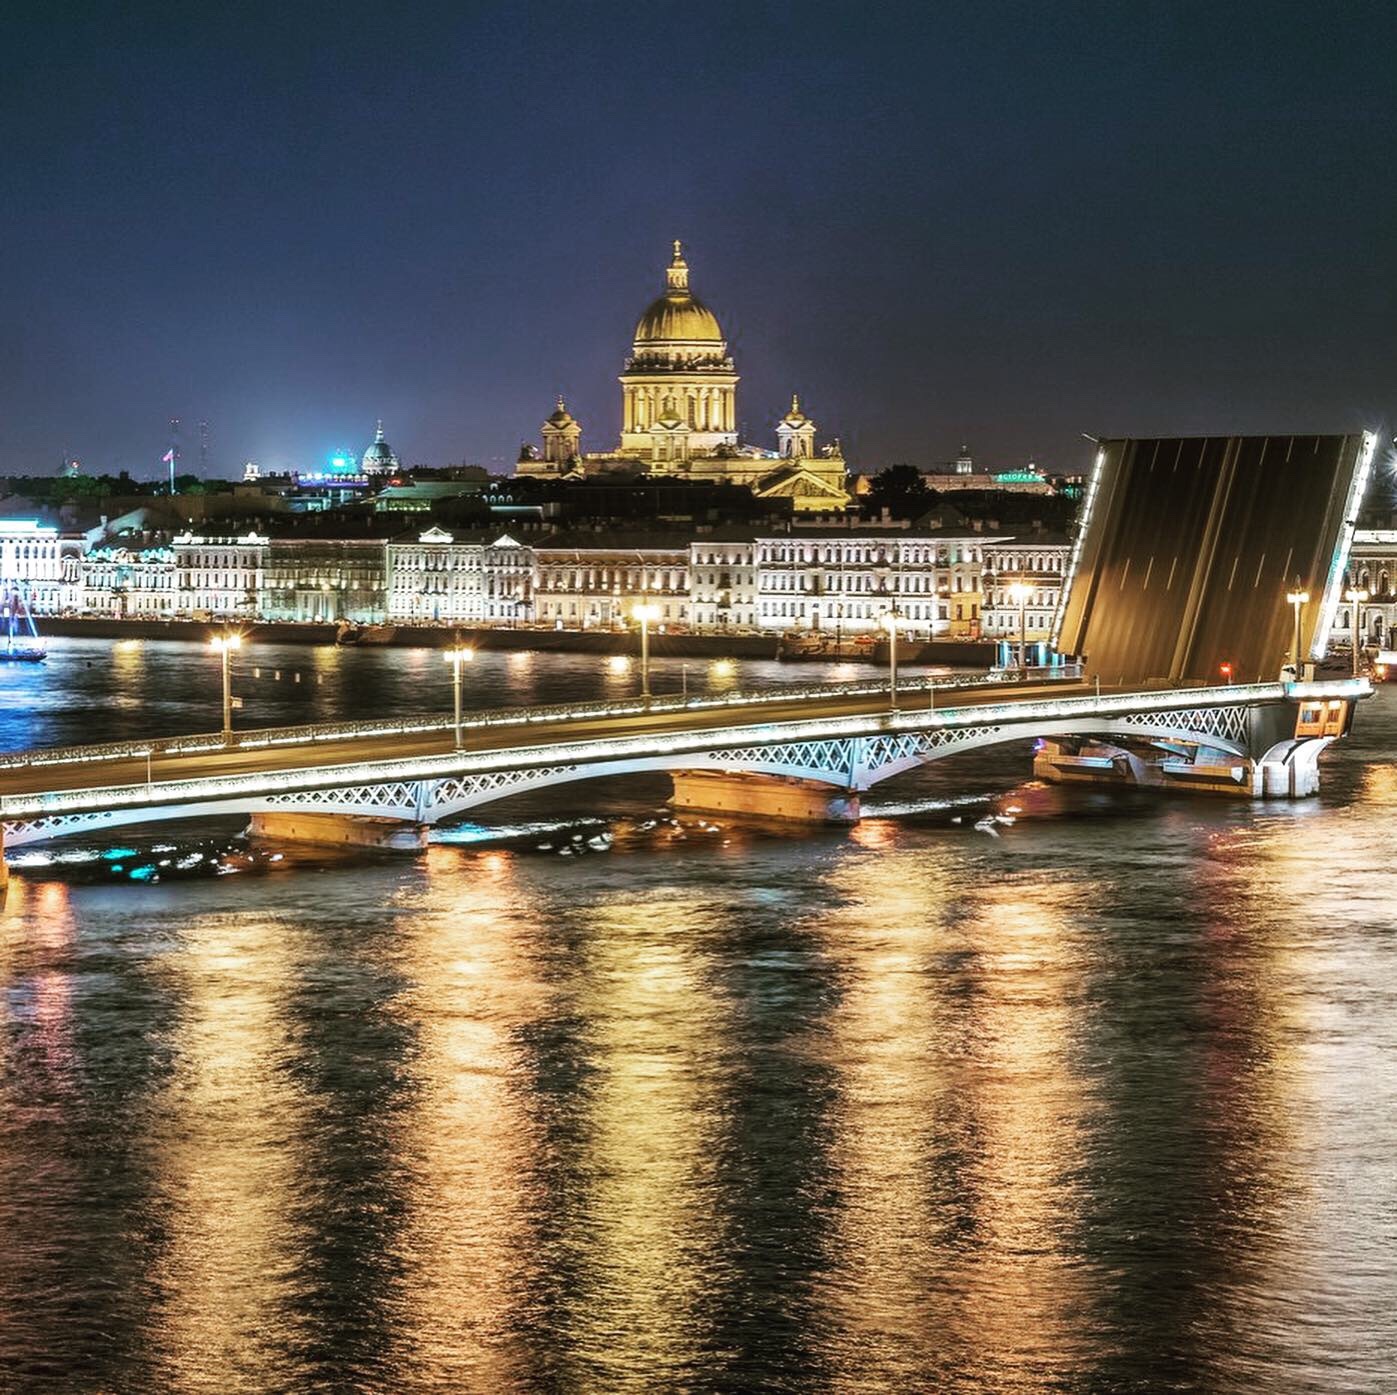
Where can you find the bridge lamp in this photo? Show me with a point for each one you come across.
(224, 645)
(646, 614)
(457, 656)
(890, 620)
(1356, 597)
(1019, 592)
(1299, 599)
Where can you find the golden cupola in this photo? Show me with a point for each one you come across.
(677, 317)
(679, 366)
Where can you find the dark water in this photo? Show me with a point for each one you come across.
(1102, 1104)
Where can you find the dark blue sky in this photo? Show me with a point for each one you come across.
(1008, 223)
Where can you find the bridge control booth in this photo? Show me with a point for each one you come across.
(1201, 587)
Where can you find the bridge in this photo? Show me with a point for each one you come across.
(1189, 556)
(804, 754)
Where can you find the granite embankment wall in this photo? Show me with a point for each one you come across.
(955, 653)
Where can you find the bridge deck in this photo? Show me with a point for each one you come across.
(481, 739)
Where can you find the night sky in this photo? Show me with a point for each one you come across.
(1002, 223)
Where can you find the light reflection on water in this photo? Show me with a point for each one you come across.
(1101, 1104)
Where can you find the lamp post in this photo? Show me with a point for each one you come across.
(1019, 591)
(1356, 597)
(890, 619)
(457, 655)
(1299, 599)
(224, 645)
(645, 612)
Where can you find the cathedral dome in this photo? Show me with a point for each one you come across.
(677, 315)
(379, 458)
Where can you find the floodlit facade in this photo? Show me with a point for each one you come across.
(835, 583)
(324, 579)
(847, 583)
(590, 582)
(437, 577)
(723, 584)
(35, 562)
(1372, 568)
(1035, 561)
(220, 576)
(679, 416)
(123, 581)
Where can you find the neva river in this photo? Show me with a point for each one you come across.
(1104, 1103)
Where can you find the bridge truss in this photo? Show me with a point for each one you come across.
(844, 753)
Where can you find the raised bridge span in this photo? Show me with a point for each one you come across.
(805, 754)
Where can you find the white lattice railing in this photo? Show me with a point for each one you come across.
(262, 738)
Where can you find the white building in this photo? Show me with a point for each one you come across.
(32, 563)
(507, 574)
(437, 577)
(220, 576)
(583, 581)
(1037, 561)
(847, 582)
(126, 581)
(723, 583)
(1372, 568)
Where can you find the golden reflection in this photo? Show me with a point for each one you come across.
(467, 1145)
(226, 1155)
(642, 1225)
(1290, 901)
(959, 1125)
(40, 1078)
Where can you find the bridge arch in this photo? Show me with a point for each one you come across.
(853, 762)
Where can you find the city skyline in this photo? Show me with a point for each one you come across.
(1002, 228)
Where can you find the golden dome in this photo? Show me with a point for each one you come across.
(676, 315)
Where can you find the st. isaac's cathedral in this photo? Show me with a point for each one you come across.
(679, 416)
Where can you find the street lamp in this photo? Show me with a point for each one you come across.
(645, 613)
(224, 645)
(1299, 599)
(1356, 597)
(1020, 591)
(457, 655)
(890, 619)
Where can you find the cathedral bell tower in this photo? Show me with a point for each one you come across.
(562, 436)
(795, 434)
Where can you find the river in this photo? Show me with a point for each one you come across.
(1102, 1103)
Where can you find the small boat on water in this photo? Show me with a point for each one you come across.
(21, 644)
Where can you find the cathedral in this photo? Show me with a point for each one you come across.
(679, 416)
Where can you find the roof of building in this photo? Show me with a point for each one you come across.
(613, 540)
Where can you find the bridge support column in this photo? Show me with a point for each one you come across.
(338, 830)
(1196, 771)
(764, 798)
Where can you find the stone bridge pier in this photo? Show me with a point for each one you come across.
(1273, 753)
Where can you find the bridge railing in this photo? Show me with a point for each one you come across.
(260, 738)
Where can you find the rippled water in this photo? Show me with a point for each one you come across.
(1103, 1104)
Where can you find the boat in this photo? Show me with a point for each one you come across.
(19, 647)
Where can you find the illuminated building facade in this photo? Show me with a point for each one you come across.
(1036, 561)
(437, 576)
(1372, 567)
(679, 416)
(220, 576)
(33, 561)
(597, 579)
(123, 581)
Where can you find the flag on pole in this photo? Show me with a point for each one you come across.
(169, 457)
